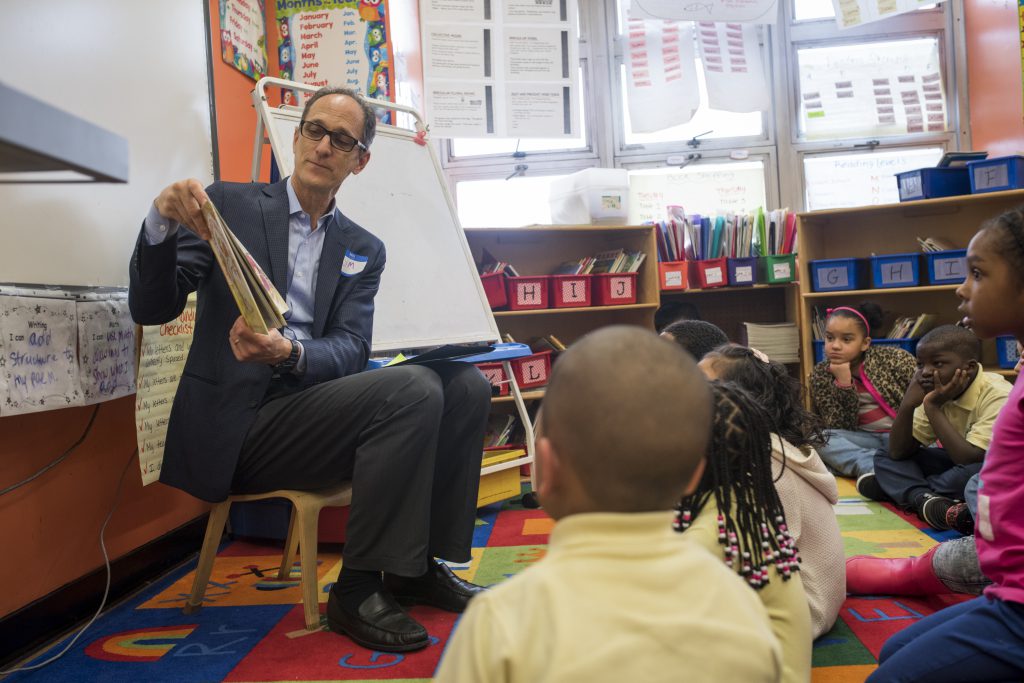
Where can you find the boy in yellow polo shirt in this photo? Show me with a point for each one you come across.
(953, 402)
(619, 596)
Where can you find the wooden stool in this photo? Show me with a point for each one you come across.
(306, 507)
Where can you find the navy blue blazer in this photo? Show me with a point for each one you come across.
(218, 396)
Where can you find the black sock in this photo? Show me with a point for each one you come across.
(355, 585)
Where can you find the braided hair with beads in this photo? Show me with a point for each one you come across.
(751, 523)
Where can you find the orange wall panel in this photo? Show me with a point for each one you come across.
(994, 76)
(50, 527)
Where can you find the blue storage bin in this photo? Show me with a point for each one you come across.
(994, 175)
(896, 270)
(928, 183)
(1006, 351)
(837, 274)
(947, 267)
(906, 344)
(742, 271)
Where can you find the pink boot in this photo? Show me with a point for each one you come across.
(883, 576)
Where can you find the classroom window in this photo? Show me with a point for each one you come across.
(500, 203)
(871, 89)
(857, 179)
(707, 188)
(809, 10)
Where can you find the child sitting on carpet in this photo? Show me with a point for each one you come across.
(619, 596)
(983, 639)
(736, 510)
(805, 486)
(856, 388)
(950, 400)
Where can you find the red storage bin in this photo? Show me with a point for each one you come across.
(532, 371)
(672, 275)
(495, 374)
(527, 292)
(709, 273)
(614, 289)
(570, 291)
(494, 288)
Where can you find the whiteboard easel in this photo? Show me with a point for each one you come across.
(430, 291)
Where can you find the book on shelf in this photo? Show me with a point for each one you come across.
(912, 327)
(261, 305)
(933, 244)
(499, 429)
(778, 341)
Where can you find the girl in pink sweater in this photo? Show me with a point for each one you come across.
(983, 639)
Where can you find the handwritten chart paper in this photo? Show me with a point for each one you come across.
(739, 11)
(721, 188)
(37, 367)
(661, 78)
(851, 13)
(161, 360)
(106, 349)
(503, 68)
(888, 88)
(840, 180)
(733, 67)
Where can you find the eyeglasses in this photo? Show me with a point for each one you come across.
(339, 140)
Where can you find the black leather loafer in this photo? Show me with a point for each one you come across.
(439, 587)
(381, 624)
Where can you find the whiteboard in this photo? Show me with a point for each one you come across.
(430, 292)
(137, 69)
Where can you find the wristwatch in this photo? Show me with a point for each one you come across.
(288, 364)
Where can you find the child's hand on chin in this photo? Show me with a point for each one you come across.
(842, 373)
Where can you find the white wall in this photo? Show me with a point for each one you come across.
(135, 67)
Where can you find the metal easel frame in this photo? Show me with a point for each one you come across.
(263, 128)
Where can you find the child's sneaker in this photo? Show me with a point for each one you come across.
(868, 486)
(959, 518)
(932, 510)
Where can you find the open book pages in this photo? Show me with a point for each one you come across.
(260, 304)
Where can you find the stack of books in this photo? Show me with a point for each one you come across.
(912, 327)
(613, 261)
(778, 341)
(492, 267)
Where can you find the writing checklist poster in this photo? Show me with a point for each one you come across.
(500, 68)
(339, 42)
(162, 357)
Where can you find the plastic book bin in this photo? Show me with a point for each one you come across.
(533, 370)
(527, 292)
(494, 288)
(1006, 351)
(614, 289)
(929, 183)
(994, 175)
(495, 374)
(672, 275)
(742, 271)
(837, 274)
(906, 344)
(709, 274)
(776, 269)
(947, 267)
(570, 291)
(896, 270)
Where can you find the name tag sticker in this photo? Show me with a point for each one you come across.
(353, 264)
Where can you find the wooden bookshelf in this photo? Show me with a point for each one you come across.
(891, 229)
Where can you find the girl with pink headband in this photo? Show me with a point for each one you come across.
(857, 388)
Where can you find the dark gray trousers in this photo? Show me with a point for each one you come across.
(410, 438)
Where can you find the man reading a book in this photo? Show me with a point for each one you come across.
(292, 409)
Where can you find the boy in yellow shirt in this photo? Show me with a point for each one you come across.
(619, 596)
(953, 401)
